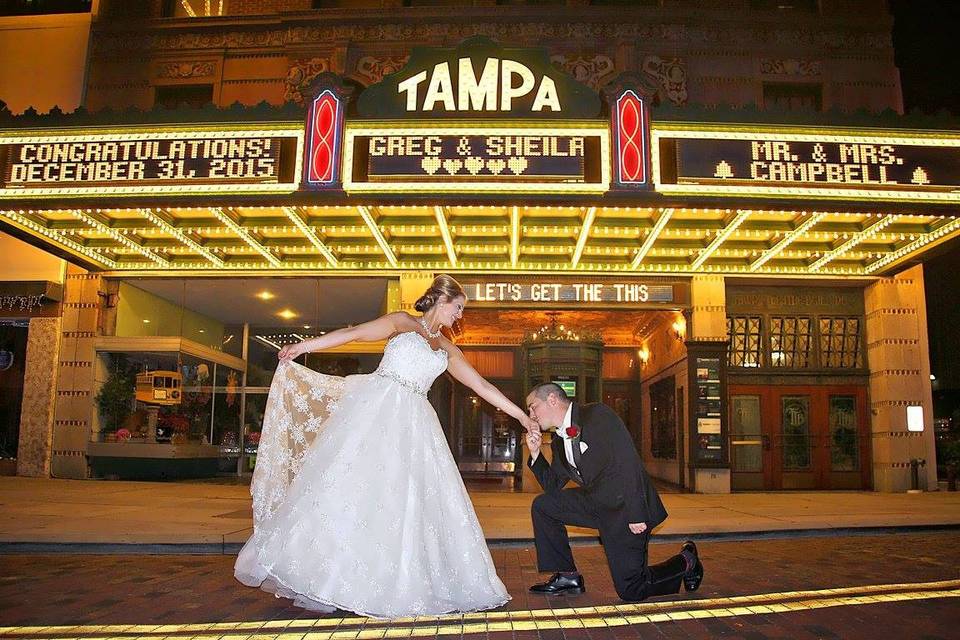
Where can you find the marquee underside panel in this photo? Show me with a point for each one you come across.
(554, 239)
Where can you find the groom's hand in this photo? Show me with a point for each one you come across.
(533, 442)
(637, 527)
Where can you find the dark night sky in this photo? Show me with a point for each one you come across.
(925, 36)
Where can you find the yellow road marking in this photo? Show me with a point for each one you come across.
(360, 628)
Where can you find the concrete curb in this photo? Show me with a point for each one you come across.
(232, 548)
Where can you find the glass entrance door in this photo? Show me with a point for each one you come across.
(798, 438)
(487, 440)
(747, 449)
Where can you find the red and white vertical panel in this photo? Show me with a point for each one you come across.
(324, 135)
(631, 133)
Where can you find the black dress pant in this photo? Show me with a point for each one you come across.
(626, 551)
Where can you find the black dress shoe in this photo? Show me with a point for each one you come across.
(693, 576)
(560, 585)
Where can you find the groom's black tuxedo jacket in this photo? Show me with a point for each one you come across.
(611, 472)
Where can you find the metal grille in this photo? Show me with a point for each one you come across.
(790, 342)
(745, 343)
(840, 342)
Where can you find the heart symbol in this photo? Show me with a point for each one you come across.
(430, 165)
(452, 166)
(496, 166)
(473, 165)
(517, 165)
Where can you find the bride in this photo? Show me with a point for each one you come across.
(357, 501)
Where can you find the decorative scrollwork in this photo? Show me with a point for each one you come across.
(180, 70)
(374, 68)
(670, 75)
(791, 67)
(299, 75)
(590, 70)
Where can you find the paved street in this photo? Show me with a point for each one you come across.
(893, 586)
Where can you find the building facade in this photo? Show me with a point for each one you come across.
(704, 214)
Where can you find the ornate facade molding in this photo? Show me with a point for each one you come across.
(299, 75)
(529, 32)
(182, 70)
(373, 68)
(590, 70)
(790, 67)
(670, 75)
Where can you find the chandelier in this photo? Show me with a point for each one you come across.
(553, 331)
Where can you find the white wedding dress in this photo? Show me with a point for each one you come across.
(357, 501)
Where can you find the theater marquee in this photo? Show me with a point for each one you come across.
(791, 164)
(149, 162)
(477, 158)
(597, 292)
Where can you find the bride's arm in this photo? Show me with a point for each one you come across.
(379, 329)
(460, 369)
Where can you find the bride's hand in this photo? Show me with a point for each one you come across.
(531, 425)
(290, 352)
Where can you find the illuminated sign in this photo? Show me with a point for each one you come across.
(569, 387)
(324, 131)
(153, 162)
(630, 122)
(477, 158)
(478, 78)
(772, 164)
(572, 292)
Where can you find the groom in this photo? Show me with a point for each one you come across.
(613, 494)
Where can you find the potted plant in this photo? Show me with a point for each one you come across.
(950, 454)
(115, 398)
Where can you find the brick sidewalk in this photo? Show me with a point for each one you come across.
(86, 511)
(81, 593)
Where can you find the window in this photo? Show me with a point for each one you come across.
(790, 342)
(37, 7)
(808, 6)
(795, 425)
(745, 342)
(194, 95)
(840, 342)
(625, 3)
(663, 422)
(793, 96)
(844, 444)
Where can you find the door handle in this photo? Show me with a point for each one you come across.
(766, 442)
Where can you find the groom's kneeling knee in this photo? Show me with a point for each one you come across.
(541, 506)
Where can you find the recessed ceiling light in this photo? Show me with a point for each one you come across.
(145, 321)
(266, 295)
(306, 326)
(287, 314)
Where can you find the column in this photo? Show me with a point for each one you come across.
(412, 286)
(899, 362)
(39, 398)
(76, 386)
(708, 329)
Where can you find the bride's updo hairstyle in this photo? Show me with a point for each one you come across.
(443, 288)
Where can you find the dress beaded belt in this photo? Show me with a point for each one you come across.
(409, 384)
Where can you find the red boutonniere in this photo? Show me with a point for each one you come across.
(573, 431)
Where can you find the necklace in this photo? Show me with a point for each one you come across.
(430, 334)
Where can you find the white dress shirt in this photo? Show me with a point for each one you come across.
(561, 433)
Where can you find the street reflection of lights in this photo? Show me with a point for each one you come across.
(597, 617)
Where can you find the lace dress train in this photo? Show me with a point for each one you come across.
(358, 502)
